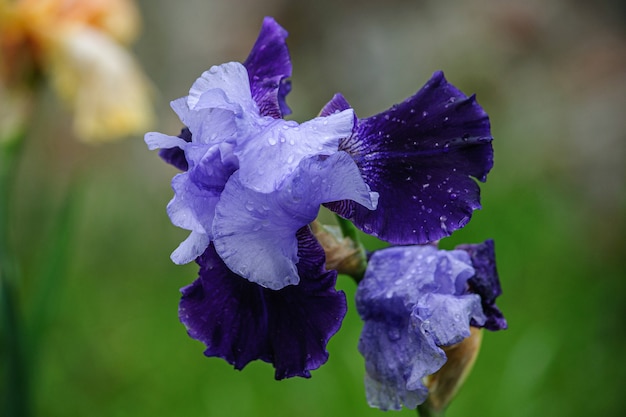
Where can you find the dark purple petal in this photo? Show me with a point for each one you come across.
(420, 156)
(268, 67)
(486, 282)
(241, 321)
(176, 156)
(337, 104)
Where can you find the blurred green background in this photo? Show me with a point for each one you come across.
(552, 76)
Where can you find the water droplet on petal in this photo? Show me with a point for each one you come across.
(393, 334)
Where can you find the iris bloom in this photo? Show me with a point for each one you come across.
(252, 182)
(414, 301)
(253, 179)
(80, 45)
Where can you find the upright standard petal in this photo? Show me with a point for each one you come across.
(413, 300)
(268, 67)
(241, 321)
(255, 232)
(420, 156)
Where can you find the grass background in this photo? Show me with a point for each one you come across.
(551, 76)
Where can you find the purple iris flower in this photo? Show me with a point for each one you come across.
(241, 321)
(414, 300)
(420, 157)
(251, 179)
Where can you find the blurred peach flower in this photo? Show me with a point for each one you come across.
(81, 47)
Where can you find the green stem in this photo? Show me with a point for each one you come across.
(54, 264)
(348, 229)
(425, 410)
(16, 374)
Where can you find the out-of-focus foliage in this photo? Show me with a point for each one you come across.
(552, 76)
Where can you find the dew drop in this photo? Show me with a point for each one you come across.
(393, 334)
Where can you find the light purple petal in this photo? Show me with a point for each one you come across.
(156, 140)
(268, 67)
(254, 232)
(241, 321)
(446, 318)
(395, 361)
(190, 248)
(275, 152)
(223, 86)
(420, 156)
(196, 193)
